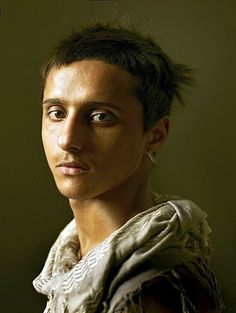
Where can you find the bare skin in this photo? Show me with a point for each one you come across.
(93, 136)
(98, 219)
(92, 131)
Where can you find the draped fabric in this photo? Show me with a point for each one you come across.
(154, 242)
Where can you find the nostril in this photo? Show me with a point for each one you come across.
(71, 134)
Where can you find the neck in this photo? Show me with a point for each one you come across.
(98, 217)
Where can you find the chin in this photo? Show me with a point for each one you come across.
(71, 193)
(76, 191)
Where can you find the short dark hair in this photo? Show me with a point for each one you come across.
(159, 78)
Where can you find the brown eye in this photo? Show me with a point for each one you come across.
(102, 117)
(56, 115)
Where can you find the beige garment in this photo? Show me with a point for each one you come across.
(171, 233)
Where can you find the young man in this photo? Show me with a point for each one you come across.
(107, 95)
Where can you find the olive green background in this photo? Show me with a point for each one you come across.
(198, 162)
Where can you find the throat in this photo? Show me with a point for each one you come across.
(99, 217)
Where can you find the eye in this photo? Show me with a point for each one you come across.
(102, 118)
(56, 115)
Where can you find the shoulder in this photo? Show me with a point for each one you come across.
(159, 295)
(167, 294)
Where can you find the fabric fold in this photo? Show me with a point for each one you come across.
(170, 233)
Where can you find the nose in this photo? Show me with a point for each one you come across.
(71, 135)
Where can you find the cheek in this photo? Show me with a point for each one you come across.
(123, 150)
(49, 142)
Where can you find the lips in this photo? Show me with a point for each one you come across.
(71, 168)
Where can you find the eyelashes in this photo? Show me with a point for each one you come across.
(100, 117)
(56, 115)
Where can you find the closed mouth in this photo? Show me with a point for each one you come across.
(71, 164)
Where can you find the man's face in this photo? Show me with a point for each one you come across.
(92, 128)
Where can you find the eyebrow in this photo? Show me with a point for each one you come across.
(53, 101)
(89, 104)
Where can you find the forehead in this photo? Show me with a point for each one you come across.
(93, 75)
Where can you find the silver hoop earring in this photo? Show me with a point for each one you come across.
(152, 157)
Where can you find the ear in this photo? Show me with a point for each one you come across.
(157, 135)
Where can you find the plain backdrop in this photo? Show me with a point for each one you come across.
(198, 162)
